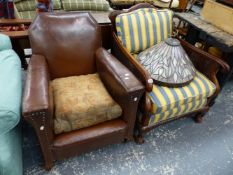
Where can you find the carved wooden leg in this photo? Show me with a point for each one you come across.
(199, 118)
(139, 139)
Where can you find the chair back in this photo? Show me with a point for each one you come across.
(68, 41)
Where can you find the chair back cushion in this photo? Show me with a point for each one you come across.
(143, 28)
(82, 101)
(68, 41)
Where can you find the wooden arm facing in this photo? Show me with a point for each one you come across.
(131, 63)
(206, 63)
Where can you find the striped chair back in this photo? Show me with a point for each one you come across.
(143, 28)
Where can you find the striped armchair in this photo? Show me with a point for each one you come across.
(140, 28)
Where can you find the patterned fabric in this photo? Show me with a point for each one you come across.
(73, 5)
(30, 5)
(165, 98)
(82, 101)
(30, 14)
(129, 2)
(168, 63)
(176, 112)
(122, 2)
(159, 3)
(143, 28)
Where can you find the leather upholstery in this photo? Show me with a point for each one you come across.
(65, 45)
(71, 48)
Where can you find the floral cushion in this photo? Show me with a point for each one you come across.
(82, 101)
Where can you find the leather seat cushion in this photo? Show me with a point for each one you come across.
(81, 101)
(166, 98)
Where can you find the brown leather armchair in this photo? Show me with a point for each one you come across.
(65, 45)
(208, 65)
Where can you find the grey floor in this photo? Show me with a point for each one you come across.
(181, 147)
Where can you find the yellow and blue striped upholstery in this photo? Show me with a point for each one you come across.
(167, 98)
(143, 28)
(177, 111)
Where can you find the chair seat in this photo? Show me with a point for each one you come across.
(177, 111)
(81, 101)
(167, 98)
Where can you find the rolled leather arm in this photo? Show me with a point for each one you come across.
(123, 86)
(37, 97)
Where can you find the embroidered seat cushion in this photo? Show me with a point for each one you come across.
(177, 111)
(143, 28)
(167, 98)
(82, 101)
(96, 5)
(30, 5)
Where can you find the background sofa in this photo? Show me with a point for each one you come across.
(26, 9)
(10, 102)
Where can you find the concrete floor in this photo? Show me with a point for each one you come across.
(181, 147)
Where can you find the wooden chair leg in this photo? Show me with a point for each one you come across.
(139, 139)
(199, 118)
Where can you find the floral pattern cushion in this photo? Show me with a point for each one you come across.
(81, 101)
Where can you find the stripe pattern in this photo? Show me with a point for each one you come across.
(143, 28)
(97, 5)
(177, 111)
(167, 98)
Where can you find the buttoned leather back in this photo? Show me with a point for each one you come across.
(68, 41)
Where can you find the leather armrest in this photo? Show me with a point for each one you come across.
(123, 86)
(36, 99)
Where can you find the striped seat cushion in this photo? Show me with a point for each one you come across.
(177, 111)
(30, 5)
(97, 5)
(167, 98)
(143, 28)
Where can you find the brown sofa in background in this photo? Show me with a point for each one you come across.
(58, 54)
